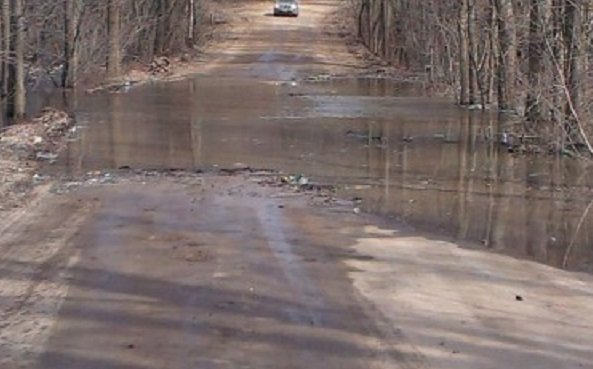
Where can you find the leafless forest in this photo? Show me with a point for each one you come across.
(66, 40)
(532, 58)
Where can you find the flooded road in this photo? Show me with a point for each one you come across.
(177, 269)
(418, 159)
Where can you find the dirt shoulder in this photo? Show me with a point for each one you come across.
(24, 147)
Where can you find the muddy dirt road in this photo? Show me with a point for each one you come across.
(138, 269)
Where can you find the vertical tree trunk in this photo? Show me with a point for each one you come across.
(386, 28)
(6, 48)
(370, 24)
(364, 4)
(162, 29)
(573, 47)
(114, 44)
(191, 12)
(558, 97)
(493, 52)
(69, 72)
(377, 25)
(19, 56)
(507, 55)
(473, 52)
(533, 108)
(462, 22)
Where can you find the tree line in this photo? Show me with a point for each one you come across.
(68, 40)
(532, 58)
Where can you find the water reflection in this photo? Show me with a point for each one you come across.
(415, 158)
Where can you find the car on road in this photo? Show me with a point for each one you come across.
(286, 7)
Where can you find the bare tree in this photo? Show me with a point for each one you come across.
(463, 53)
(114, 34)
(6, 45)
(531, 58)
(19, 103)
(537, 34)
(507, 64)
(72, 10)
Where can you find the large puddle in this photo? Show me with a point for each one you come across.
(420, 160)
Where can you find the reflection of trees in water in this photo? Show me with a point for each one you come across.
(529, 218)
(117, 144)
(518, 205)
(465, 179)
(196, 128)
(73, 163)
(575, 235)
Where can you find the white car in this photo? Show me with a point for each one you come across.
(286, 7)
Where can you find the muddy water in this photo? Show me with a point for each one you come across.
(416, 159)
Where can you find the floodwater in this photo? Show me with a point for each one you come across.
(419, 160)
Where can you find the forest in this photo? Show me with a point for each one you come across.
(66, 41)
(531, 59)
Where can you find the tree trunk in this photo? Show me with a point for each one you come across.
(473, 53)
(573, 47)
(493, 52)
(162, 29)
(114, 34)
(559, 97)
(20, 97)
(462, 22)
(537, 35)
(507, 64)
(6, 48)
(71, 19)
(191, 12)
(386, 28)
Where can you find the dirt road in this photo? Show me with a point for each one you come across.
(180, 270)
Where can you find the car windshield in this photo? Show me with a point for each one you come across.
(287, 2)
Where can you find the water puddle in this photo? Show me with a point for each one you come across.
(420, 160)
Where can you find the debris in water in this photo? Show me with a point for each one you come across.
(319, 78)
(37, 178)
(298, 180)
(45, 155)
(475, 107)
